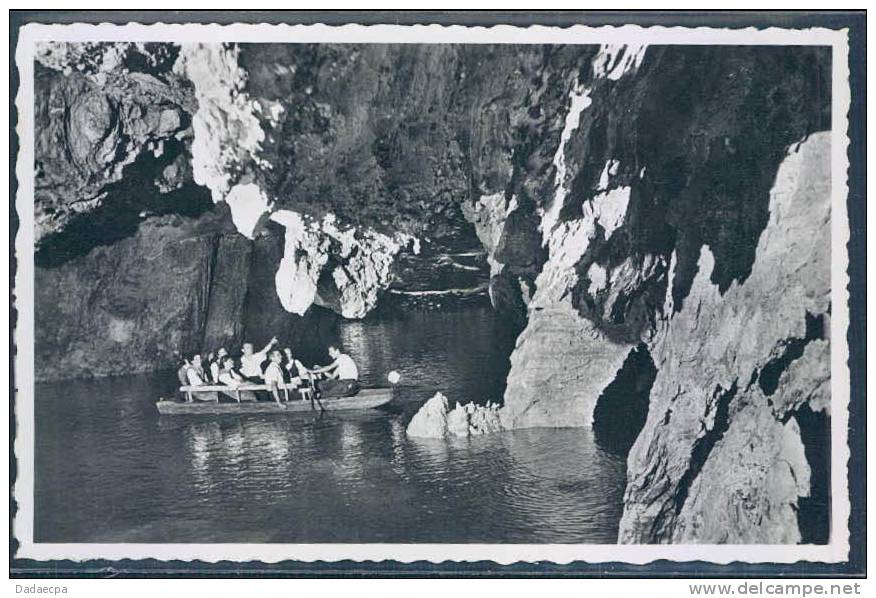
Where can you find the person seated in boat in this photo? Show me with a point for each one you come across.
(343, 375)
(182, 374)
(205, 364)
(197, 376)
(251, 362)
(229, 377)
(294, 370)
(274, 374)
(195, 372)
(216, 364)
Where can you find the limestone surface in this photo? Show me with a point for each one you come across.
(721, 457)
(437, 419)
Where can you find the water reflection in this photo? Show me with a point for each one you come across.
(109, 469)
(201, 450)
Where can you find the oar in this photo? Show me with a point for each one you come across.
(313, 394)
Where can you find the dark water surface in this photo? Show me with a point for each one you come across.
(109, 469)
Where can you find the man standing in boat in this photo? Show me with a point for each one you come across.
(251, 363)
(343, 375)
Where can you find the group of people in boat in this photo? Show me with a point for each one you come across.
(273, 368)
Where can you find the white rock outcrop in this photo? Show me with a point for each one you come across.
(436, 419)
(562, 362)
(358, 265)
(227, 132)
(228, 137)
(488, 214)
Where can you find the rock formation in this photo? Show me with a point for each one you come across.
(92, 122)
(341, 270)
(654, 216)
(178, 278)
(659, 237)
(295, 135)
(721, 457)
(437, 420)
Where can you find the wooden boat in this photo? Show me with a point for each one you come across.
(367, 398)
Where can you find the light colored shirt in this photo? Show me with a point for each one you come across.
(251, 365)
(215, 369)
(273, 373)
(347, 369)
(228, 378)
(194, 377)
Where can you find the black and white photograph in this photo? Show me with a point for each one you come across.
(311, 292)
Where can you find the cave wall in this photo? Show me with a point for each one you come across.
(693, 216)
(689, 213)
(361, 152)
(675, 153)
(130, 306)
(99, 108)
(394, 137)
(177, 286)
(722, 457)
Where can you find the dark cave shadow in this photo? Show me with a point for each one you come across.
(622, 408)
(127, 203)
(813, 514)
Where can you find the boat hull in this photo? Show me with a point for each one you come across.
(366, 399)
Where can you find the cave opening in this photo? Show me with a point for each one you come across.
(793, 350)
(813, 513)
(622, 408)
(126, 204)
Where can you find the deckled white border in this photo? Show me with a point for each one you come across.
(836, 551)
